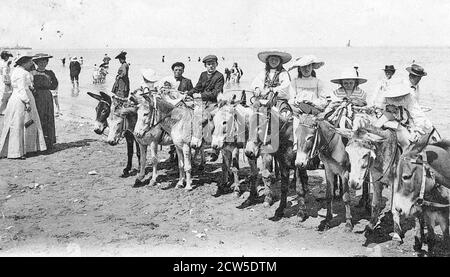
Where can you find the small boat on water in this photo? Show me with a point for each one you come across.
(348, 44)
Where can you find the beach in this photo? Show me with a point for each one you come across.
(72, 202)
(51, 205)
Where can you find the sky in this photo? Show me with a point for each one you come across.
(58, 24)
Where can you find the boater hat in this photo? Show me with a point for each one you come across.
(349, 75)
(307, 60)
(417, 70)
(41, 56)
(285, 57)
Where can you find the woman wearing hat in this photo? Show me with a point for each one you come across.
(416, 72)
(121, 86)
(409, 124)
(389, 71)
(22, 132)
(44, 81)
(349, 88)
(5, 80)
(306, 87)
(274, 77)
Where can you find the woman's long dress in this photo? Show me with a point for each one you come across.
(44, 81)
(16, 140)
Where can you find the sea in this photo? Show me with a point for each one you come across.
(435, 87)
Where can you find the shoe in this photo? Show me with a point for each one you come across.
(214, 157)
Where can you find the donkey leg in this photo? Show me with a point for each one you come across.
(235, 170)
(223, 185)
(301, 192)
(179, 152)
(346, 199)
(329, 176)
(419, 234)
(187, 165)
(284, 190)
(376, 204)
(431, 236)
(267, 176)
(126, 171)
(253, 180)
(154, 157)
(364, 201)
(143, 162)
(138, 153)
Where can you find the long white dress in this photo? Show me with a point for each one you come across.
(15, 139)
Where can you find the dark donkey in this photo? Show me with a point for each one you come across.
(418, 191)
(122, 122)
(266, 122)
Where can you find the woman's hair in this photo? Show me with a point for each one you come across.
(355, 86)
(278, 68)
(300, 75)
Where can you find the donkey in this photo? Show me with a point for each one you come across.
(160, 122)
(266, 121)
(122, 123)
(230, 134)
(372, 152)
(418, 190)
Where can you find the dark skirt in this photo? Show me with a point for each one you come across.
(44, 105)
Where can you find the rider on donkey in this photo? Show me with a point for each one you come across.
(208, 88)
(274, 78)
(306, 88)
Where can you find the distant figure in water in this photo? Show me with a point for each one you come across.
(223, 58)
(199, 59)
(163, 58)
(189, 58)
(356, 66)
(227, 74)
(63, 61)
(81, 60)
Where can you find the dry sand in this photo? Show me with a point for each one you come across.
(51, 206)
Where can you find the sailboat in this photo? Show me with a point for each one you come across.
(348, 43)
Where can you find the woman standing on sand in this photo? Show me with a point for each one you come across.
(22, 132)
(44, 81)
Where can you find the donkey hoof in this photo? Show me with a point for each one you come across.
(188, 188)
(152, 182)
(279, 213)
(125, 173)
(397, 239)
(348, 227)
(302, 215)
(179, 185)
(137, 183)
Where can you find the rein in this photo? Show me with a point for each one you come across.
(420, 201)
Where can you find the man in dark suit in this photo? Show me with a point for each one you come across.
(210, 83)
(209, 86)
(185, 84)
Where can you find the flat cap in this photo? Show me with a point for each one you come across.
(210, 58)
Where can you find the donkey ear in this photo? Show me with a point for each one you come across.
(105, 97)
(95, 96)
(373, 137)
(344, 132)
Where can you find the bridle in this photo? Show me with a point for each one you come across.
(420, 201)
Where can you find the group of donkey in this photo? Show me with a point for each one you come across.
(357, 157)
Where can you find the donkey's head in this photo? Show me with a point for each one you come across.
(362, 151)
(103, 109)
(120, 117)
(306, 138)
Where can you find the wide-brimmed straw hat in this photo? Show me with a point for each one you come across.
(19, 60)
(397, 89)
(41, 56)
(285, 57)
(349, 75)
(74, 58)
(307, 60)
(416, 70)
(149, 75)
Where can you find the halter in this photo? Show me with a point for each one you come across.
(420, 201)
